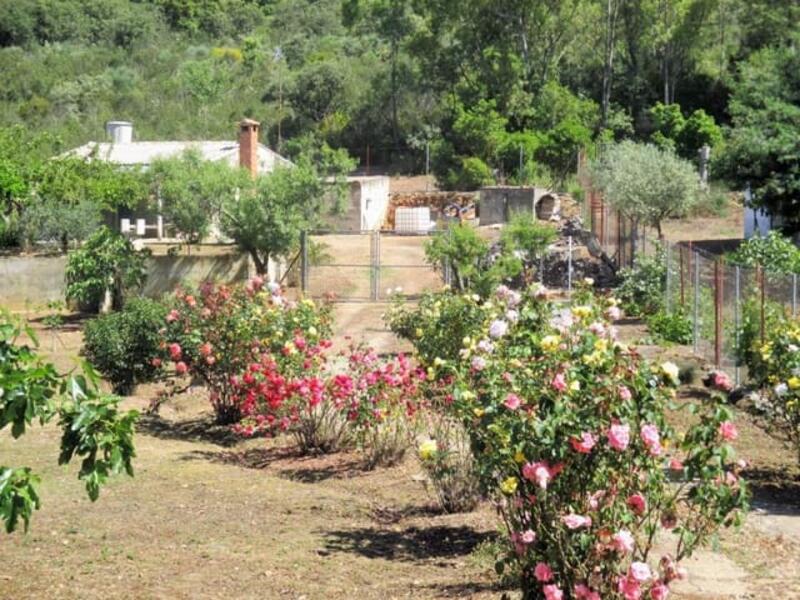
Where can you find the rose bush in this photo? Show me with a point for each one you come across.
(776, 367)
(217, 333)
(569, 434)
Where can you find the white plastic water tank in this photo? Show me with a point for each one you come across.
(120, 132)
(412, 219)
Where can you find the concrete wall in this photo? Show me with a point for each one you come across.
(29, 282)
(498, 203)
(366, 206)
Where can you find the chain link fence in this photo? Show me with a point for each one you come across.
(367, 265)
(729, 306)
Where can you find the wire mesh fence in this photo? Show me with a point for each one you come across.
(729, 306)
(367, 265)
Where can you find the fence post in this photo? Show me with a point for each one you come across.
(683, 279)
(760, 277)
(695, 328)
(375, 264)
(668, 283)
(736, 317)
(718, 296)
(304, 262)
(569, 269)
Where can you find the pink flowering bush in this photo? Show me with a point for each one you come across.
(226, 337)
(568, 430)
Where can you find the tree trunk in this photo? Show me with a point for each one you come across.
(260, 264)
(612, 10)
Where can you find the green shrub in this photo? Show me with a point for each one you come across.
(642, 287)
(438, 324)
(774, 253)
(670, 327)
(124, 346)
(106, 261)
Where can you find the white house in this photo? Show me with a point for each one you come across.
(369, 196)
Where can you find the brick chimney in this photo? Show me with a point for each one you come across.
(248, 145)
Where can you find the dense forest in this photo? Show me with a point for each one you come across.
(493, 88)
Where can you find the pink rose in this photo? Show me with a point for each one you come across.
(639, 571)
(573, 521)
(181, 368)
(585, 444)
(675, 464)
(156, 362)
(721, 381)
(191, 301)
(629, 588)
(552, 592)
(581, 591)
(175, 351)
(559, 383)
(528, 536)
(659, 591)
(594, 499)
(624, 393)
(538, 472)
(619, 436)
(637, 503)
(173, 315)
(623, 542)
(728, 431)
(512, 402)
(614, 313)
(478, 363)
(651, 439)
(210, 360)
(543, 572)
(205, 349)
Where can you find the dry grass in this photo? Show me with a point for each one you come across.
(209, 516)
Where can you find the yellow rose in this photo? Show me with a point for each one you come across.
(467, 395)
(478, 412)
(601, 345)
(509, 485)
(519, 458)
(582, 312)
(574, 386)
(793, 382)
(418, 332)
(428, 449)
(438, 362)
(671, 371)
(550, 343)
(312, 330)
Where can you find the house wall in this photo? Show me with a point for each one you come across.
(366, 206)
(29, 282)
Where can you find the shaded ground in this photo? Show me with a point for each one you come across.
(210, 516)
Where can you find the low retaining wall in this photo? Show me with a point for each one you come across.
(29, 282)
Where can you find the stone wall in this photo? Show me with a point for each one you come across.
(29, 282)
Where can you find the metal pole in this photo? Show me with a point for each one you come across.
(717, 313)
(668, 285)
(736, 317)
(760, 273)
(569, 269)
(304, 262)
(695, 329)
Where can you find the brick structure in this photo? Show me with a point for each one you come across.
(248, 145)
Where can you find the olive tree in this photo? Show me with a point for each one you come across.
(644, 182)
(266, 219)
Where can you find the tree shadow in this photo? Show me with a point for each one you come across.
(411, 544)
(775, 487)
(465, 590)
(252, 458)
(201, 429)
